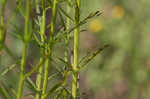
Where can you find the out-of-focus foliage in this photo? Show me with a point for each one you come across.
(122, 71)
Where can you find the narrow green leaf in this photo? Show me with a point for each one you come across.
(37, 41)
(20, 7)
(61, 34)
(60, 1)
(91, 15)
(69, 3)
(35, 68)
(50, 2)
(17, 31)
(13, 91)
(53, 89)
(4, 91)
(31, 85)
(92, 56)
(7, 70)
(66, 14)
(53, 75)
(68, 92)
(56, 67)
(62, 20)
(58, 95)
(62, 60)
(84, 57)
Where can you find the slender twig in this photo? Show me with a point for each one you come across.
(24, 56)
(22, 74)
(49, 51)
(67, 39)
(75, 83)
(2, 23)
(42, 34)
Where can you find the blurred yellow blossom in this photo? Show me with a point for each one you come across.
(95, 25)
(118, 12)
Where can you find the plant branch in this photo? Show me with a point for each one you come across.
(49, 51)
(75, 83)
(27, 37)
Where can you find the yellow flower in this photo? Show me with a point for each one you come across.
(95, 25)
(118, 12)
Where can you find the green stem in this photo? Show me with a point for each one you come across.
(24, 56)
(39, 81)
(42, 33)
(66, 51)
(2, 23)
(75, 83)
(49, 51)
(4, 91)
(22, 73)
(47, 67)
(68, 37)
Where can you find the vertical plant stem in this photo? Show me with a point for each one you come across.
(75, 84)
(66, 51)
(39, 81)
(42, 34)
(22, 74)
(2, 23)
(50, 46)
(68, 37)
(24, 56)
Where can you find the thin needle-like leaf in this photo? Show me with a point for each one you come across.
(35, 68)
(31, 85)
(53, 89)
(7, 70)
(62, 60)
(69, 3)
(83, 58)
(53, 75)
(62, 20)
(63, 33)
(37, 41)
(13, 91)
(4, 91)
(63, 11)
(92, 56)
(58, 95)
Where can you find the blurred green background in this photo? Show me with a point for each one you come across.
(121, 71)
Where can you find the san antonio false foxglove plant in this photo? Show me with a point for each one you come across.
(46, 43)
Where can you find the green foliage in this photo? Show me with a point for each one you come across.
(41, 30)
